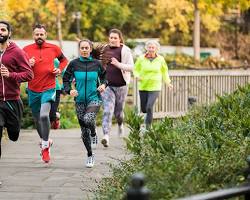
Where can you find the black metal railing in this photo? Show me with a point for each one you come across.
(137, 190)
(222, 194)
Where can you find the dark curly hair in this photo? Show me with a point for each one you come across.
(9, 28)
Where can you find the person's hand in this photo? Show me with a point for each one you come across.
(170, 86)
(32, 61)
(4, 71)
(101, 88)
(114, 62)
(56, 71)
(73, 93)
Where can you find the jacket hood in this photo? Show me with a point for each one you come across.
(11, 46)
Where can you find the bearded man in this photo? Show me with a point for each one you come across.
(41, 90)
(14, 69)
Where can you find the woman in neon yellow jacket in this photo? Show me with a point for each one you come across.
(150, 69)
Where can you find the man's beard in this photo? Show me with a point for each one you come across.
(39, 41)
(3, 38)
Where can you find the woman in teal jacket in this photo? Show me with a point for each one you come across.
(89, 77)
(150, 69)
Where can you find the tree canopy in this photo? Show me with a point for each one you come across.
(171, 21)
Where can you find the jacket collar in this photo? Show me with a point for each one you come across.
(90, 58)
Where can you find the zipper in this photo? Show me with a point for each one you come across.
(86, 83)
(1, 57)
(40, 54)
(10, 105)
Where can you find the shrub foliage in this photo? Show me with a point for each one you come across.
(201, 152)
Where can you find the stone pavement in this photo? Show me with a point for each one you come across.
(25, 177)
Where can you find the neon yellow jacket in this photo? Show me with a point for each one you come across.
(151, 73)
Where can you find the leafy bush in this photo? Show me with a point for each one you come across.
(179, 61)
(27, 121)
(182, 61)
(203, 151)
(67, 109)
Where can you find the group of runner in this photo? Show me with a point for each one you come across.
(92, 81)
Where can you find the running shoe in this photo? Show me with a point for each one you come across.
(105, 140)
(90, 161)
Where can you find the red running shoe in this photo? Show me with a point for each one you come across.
(55, 124)
(46, 155)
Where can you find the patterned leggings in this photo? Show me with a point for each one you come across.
(113, 102)
(86, 117)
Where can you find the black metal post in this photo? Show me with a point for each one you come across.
(137, 191)
(191, 101)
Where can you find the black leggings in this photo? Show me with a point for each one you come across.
(86, 117)
(11, 113)
(148, 99)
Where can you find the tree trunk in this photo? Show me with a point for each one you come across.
(196, 34)
(58, 24)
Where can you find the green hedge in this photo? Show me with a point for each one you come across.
(67, 110)
(201, 152)
(27, 121)
(182, 61)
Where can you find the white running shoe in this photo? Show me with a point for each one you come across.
(94, 141)
(105, 140)
(120, 130)
(90, 161)
(143, 128)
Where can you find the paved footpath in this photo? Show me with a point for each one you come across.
(25, 177)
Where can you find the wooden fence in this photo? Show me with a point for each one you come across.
(203, 85)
